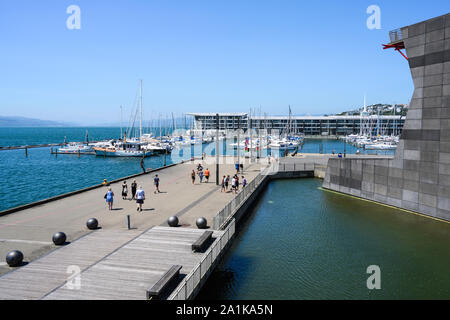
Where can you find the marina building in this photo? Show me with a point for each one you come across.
(308, 125)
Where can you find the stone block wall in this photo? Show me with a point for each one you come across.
(418, 176)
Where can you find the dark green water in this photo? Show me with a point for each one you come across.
(304, 243)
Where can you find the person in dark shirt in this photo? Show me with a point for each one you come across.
(156, 183)
(124, 190)
(133, 190)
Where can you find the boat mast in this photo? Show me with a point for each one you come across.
(140, 120)
(173, 124)
(361, 117)
(160, 130)
(121, 122)
(289, 123)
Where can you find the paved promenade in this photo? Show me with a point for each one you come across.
(31, 230)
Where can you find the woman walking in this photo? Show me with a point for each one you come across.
(124, 190)
(109, 198)
(200, 175)
(140, 197)
(133, 190)
(227, 181)
(222, 189)
(193, 176)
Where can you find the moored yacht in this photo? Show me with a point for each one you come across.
(124, 149)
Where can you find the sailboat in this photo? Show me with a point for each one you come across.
(131, 148)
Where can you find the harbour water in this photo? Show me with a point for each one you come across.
(305, 243)
(299, 243)
(42, 175)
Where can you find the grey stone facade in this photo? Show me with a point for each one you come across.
(417, 178)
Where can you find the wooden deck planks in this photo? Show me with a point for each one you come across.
(115, 264)
(138, 265)
(38, 278)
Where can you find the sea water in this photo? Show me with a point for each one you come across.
(301, 242)
(41, 175)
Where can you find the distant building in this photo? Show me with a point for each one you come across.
(308, 125)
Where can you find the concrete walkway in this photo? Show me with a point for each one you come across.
(31, 230)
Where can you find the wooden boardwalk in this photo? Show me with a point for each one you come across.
(31, 230)
(114, 264)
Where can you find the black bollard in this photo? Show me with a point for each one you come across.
(26, 152)
(201, 223)
(92, 224)
(173, 221)
(59, 238)
(128, 222)
(14, 258)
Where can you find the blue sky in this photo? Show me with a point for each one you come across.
(200, 56)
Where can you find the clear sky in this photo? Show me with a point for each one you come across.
(200, 56)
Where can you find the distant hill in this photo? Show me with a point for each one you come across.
(30, 122)
(384, 109)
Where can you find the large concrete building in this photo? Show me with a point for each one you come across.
(418, 177)
(308, 125)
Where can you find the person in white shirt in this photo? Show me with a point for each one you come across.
(140, 197)
(233, 185)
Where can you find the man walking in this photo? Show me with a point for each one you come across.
(140, 197)
(233, 184)
(156, 183)
(207, 173)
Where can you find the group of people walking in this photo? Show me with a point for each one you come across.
(137, 193)
(226, 180)
(234, 183)
(206, 174)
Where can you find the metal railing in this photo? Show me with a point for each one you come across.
(185, 289)
(222, 217)
(395, 35)
(305, 166)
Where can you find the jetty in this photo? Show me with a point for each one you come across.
(135, 254)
